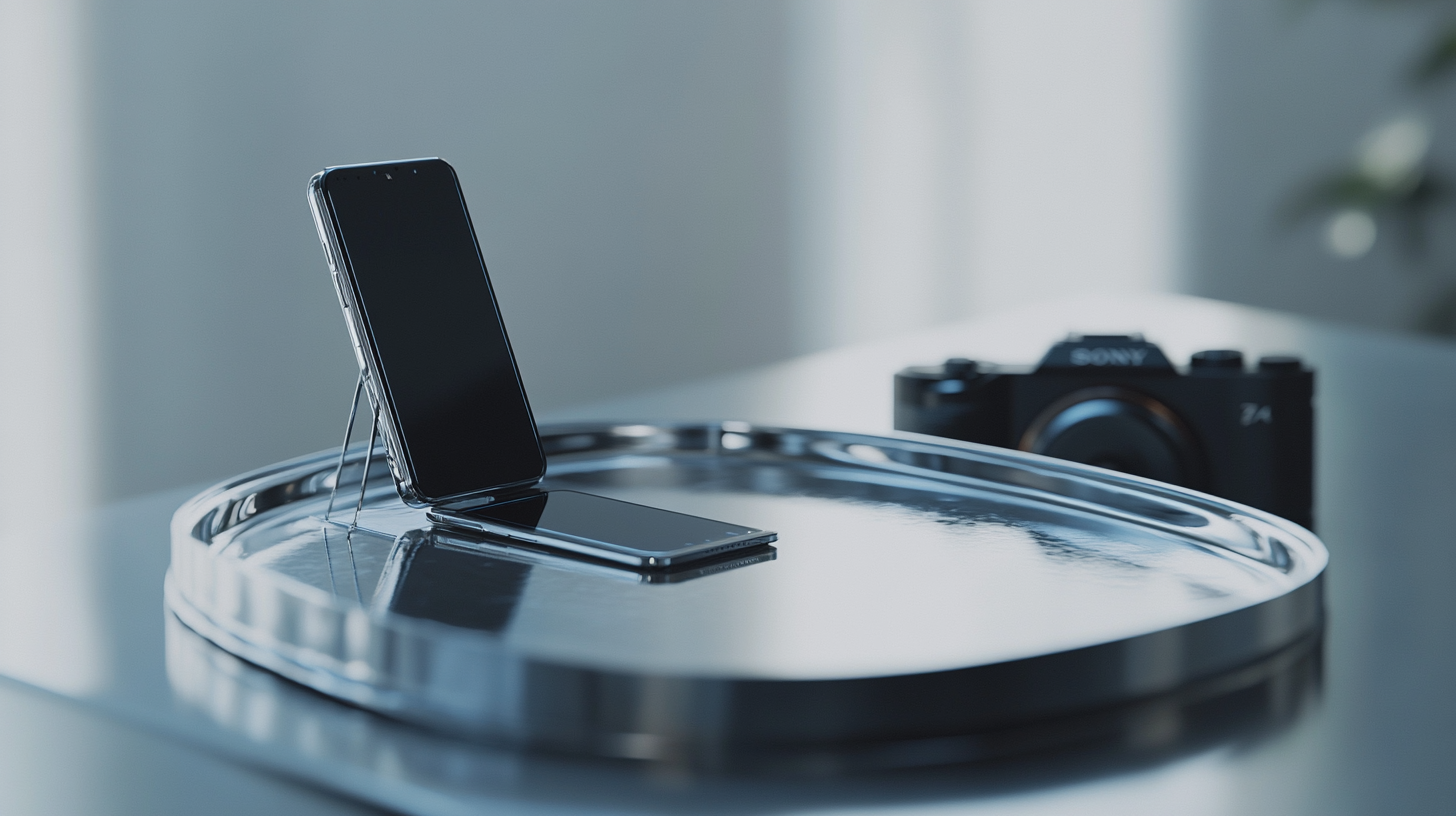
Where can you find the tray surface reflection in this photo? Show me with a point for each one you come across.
(918, 591)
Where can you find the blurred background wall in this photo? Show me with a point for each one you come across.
(664, 190)
(1283, 95)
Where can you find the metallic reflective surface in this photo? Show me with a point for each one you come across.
(1246, 705)
(922, 594)
(89, 691)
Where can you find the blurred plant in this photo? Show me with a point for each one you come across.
(1390, 179)
(1388, 176)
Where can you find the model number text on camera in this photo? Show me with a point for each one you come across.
(1252, 412)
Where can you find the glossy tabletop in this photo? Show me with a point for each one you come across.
(84, 622)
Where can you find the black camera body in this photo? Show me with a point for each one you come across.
(1115, 401)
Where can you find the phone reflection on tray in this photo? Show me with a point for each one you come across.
(429, 578)
(476, 581)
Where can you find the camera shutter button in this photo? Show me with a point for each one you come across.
(960, 367)
(1218, 358)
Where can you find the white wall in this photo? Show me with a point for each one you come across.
(960, 157)
(1279, 94)
(664, 189)
(880, 154)
(48, 353)
(622, 161)
(1075, 148)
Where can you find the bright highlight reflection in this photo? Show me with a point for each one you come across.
(49, 632)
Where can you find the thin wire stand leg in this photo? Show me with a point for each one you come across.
(359, 505)
(344, 448)
(334, 489)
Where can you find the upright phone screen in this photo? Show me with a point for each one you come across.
(443, 359)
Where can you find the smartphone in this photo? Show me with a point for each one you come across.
(438, 368)
(627, 533)
(426, 331)
(476, 581)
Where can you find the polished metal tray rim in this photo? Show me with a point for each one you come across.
(205, 527)
(192, 514)
(1314, 561)
(237, 492)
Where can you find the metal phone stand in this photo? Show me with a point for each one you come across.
(363, 485)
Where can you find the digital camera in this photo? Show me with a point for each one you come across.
(1115, 401)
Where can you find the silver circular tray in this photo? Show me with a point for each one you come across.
(922, 596)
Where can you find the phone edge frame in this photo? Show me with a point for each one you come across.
(401, 465)
(619, 553)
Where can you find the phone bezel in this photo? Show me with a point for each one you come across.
(401, 465)
(606, 550)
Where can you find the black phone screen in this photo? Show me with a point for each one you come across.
(600, 519)
(444, 363)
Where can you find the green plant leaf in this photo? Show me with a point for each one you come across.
(1439, 59)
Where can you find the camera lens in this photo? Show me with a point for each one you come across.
(1118, 429)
